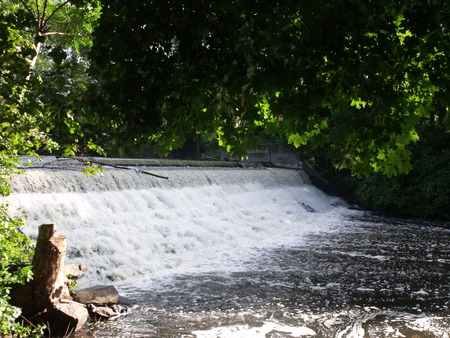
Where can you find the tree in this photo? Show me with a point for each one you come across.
(34, 36)
(50, 35)
(353, 76)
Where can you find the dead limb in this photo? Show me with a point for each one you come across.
(89, 161)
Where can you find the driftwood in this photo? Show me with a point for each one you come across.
(111, 312)
(93, 161)
(46, 299)
(128, 168)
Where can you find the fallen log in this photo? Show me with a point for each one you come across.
(91, 160)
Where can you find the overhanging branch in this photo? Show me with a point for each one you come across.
(55, 11)
(65, 34)
(29, 10)
(90, 160)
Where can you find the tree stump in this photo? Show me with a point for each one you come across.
(46, 299)
(48, 268)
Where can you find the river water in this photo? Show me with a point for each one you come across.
(243, 253)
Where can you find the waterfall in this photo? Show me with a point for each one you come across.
(130, 227)
(240, 252)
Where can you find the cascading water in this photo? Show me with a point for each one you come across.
(241, 252)
(127, 225)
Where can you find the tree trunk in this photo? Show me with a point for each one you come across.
(37, 49)
(48, 268)
(46, 299)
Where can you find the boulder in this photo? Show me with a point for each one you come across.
(75, 271)
(97, 295)
(98, 313)
(66, 318)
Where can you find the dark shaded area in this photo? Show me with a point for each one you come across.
(423, 193)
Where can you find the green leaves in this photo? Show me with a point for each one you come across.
(15, 268)
(353, 77)
(358, 103)
(297, 140)
(36, 40)
(423, 192)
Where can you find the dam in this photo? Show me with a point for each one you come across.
(240, 252)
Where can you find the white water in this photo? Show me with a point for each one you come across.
(131, 228)
(241, 253)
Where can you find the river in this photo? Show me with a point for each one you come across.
(242, 253)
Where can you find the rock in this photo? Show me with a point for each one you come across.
(97, 295)
(67, 317)
(112, 312)
(75, 271)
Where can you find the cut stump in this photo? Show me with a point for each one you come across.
(46, 299)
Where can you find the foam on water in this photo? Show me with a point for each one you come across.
(132, 228)
(241, 253)
(246, 331)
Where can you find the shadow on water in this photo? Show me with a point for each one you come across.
(370, 277)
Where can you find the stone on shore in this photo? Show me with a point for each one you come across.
(97, 295)
(68, 317)
(98, 313)
(75, 271)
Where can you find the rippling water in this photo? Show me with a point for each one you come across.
(369, 277)
(243, 253)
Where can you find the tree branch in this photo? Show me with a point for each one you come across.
(66, 34)
(17, 103)
(29, 10)
(123, 167)
(55, 11)
(92, 161)
(38, 15)
(44, 11)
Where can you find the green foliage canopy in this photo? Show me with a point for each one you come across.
(34, 37)
(15, 268)
(352, 75)
(423, 193)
